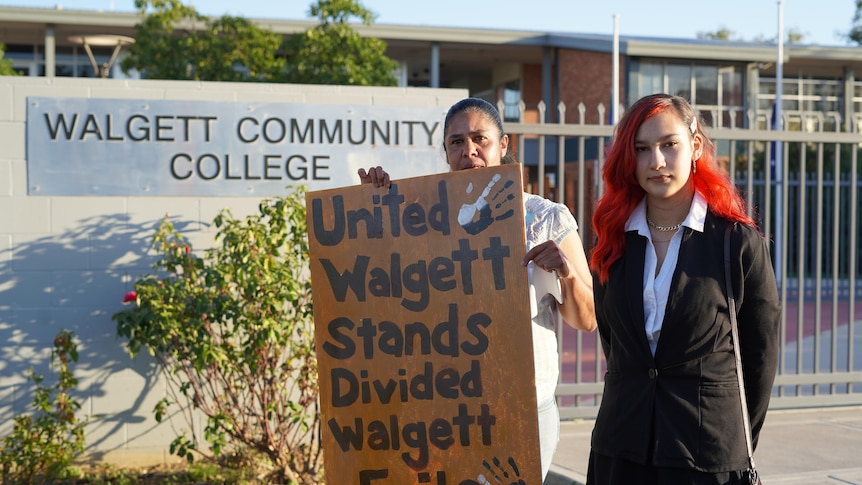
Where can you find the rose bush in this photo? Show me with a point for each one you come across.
(233, 332)
(44, 443)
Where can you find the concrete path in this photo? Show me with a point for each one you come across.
(797, 447)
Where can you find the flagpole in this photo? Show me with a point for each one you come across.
(615, 90)
(779, 149)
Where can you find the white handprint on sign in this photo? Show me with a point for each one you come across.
(467, 215)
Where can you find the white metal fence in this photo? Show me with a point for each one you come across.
(808, 206)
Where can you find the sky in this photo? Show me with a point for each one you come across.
(821, 22)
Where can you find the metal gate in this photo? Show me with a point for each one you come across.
(807, 204)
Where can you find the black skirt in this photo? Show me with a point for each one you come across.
(604, 470)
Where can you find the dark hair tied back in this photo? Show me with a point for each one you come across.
(490, 111)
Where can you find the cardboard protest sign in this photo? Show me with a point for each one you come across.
(423, 334)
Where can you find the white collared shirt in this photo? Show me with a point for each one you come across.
(656, 287)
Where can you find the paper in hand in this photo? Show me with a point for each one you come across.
(542, 283)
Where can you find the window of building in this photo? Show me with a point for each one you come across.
(23, 59)
(510, 94)
(511, 99)
(649, 78)
(715, 90)
(679, 80)
(70, 61)
(806, 104)
(857, 106)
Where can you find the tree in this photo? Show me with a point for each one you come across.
(233, 333)
(855, 34)
(6, 64)
(334, 53)
(721, 34)
(794, 36)
(174, 41)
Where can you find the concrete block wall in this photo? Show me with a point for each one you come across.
(66, 262)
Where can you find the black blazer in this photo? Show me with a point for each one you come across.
(681, 408)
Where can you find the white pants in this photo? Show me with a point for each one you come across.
(549, 432)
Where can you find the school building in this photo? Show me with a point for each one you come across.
(725, 79)
(75, 226)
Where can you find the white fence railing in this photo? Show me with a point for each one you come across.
(807, 205)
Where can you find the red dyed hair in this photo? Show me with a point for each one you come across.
(623, 193)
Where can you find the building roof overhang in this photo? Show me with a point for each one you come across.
(497, 45)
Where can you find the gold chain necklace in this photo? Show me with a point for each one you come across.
(663, 228)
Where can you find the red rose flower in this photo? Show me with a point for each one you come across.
(130, 297)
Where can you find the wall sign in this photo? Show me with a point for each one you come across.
(129, 147)
(422, 330)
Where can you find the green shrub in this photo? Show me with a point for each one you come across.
(44, 444)
(233, 331)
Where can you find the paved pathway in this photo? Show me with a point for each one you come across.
(797, 447)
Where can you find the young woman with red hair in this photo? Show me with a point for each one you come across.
(670, 411)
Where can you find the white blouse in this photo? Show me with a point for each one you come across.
(546, 221)
(656, 287)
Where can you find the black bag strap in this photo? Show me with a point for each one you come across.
(734, 332)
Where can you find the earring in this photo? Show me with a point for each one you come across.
(694, 166)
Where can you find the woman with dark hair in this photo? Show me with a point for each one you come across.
(671, 411)
(473, 138)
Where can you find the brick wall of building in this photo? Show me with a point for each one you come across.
(585, 77)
